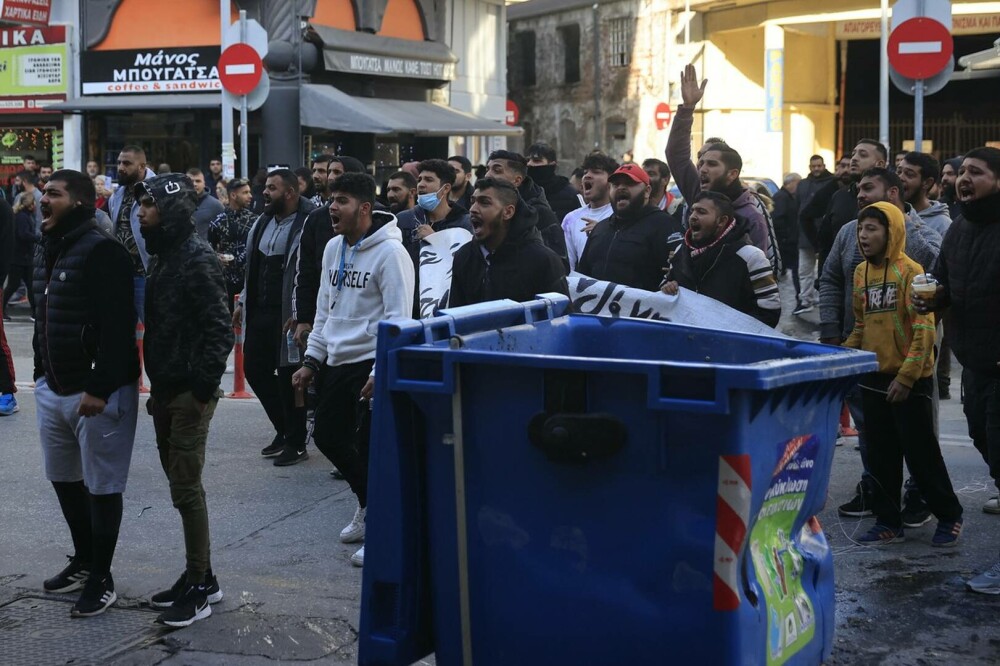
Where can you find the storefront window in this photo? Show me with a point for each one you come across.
(16, 142)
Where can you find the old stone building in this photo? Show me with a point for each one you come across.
(589, 75)
(786, 79)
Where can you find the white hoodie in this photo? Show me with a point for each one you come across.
(361, 286)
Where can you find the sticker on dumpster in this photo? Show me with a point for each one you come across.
(791, 619)
(732, 518)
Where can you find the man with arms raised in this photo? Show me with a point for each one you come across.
(718, 170)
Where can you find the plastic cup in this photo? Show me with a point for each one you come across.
(925, 285)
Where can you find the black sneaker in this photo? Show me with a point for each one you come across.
(291, 456)
(275, 448)
(98, 594)
(915, 512)
(859, 507)
(191, 606)
(337, 474)
(802, 308)
(167, 598)
(70, 579)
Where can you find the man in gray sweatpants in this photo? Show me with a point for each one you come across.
(86, 372)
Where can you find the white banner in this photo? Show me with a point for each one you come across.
(608, 299)
(436, 258)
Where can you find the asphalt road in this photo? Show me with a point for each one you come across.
(292, 594)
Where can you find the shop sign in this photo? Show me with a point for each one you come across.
(32, 68)
(26, 12)
(384, 65)
(151, 71)
(968, 24)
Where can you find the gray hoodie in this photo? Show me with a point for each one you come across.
(836, 311)
(937, 217)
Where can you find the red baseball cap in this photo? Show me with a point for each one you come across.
(634, 173)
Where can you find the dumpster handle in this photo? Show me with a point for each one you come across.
(577, 437)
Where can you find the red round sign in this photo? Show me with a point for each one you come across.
(513, 113)
(662, 115)
(240, 69)
(920, 48)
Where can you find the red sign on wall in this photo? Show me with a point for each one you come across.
(662, 115)
(25, 12)
(513, 113)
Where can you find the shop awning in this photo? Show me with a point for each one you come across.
(327, 107)
(127, 103)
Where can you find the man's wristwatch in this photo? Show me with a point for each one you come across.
(311, 363)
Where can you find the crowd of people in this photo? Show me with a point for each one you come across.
(307, 262)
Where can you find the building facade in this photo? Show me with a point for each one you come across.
(382, 80)
(786, 79)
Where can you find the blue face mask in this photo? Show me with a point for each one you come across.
(428, 201)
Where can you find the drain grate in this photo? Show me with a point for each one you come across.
(36, 631)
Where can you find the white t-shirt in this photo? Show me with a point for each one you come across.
(573, 225)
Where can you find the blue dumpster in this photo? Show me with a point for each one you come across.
(554, 488)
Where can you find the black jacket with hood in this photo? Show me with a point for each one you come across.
(969, 269)
(519, 269)
(722, 273)
(562, 197)
(632, 252)
(189, 330)
(548, 226)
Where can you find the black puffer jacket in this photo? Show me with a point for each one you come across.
(84, 309)
(188, 327)
(519, 269)
(969, 269)
(548, 226)
(629, 252)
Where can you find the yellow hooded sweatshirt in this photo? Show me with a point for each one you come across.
(885, 320)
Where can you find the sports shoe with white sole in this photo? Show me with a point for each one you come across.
(98, 594)
(987, 582)
(358, 558)
(166, 598)
(355, 530)
(191, 606)
(992, 506)
(70, 579)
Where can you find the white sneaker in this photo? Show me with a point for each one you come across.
(355, 531)
(992, 505)
(987, 582)
(358, 558)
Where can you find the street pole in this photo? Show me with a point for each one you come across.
(228, 150)
(883, 82)
(597, 76)
(918, 115)
(244, 167)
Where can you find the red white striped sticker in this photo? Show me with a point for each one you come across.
(732, 519)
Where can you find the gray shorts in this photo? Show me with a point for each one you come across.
(98, 449)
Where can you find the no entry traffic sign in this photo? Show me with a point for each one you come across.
(240, 69)
(920, 48)
(662, 115)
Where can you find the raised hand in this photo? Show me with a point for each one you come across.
(691, 91)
